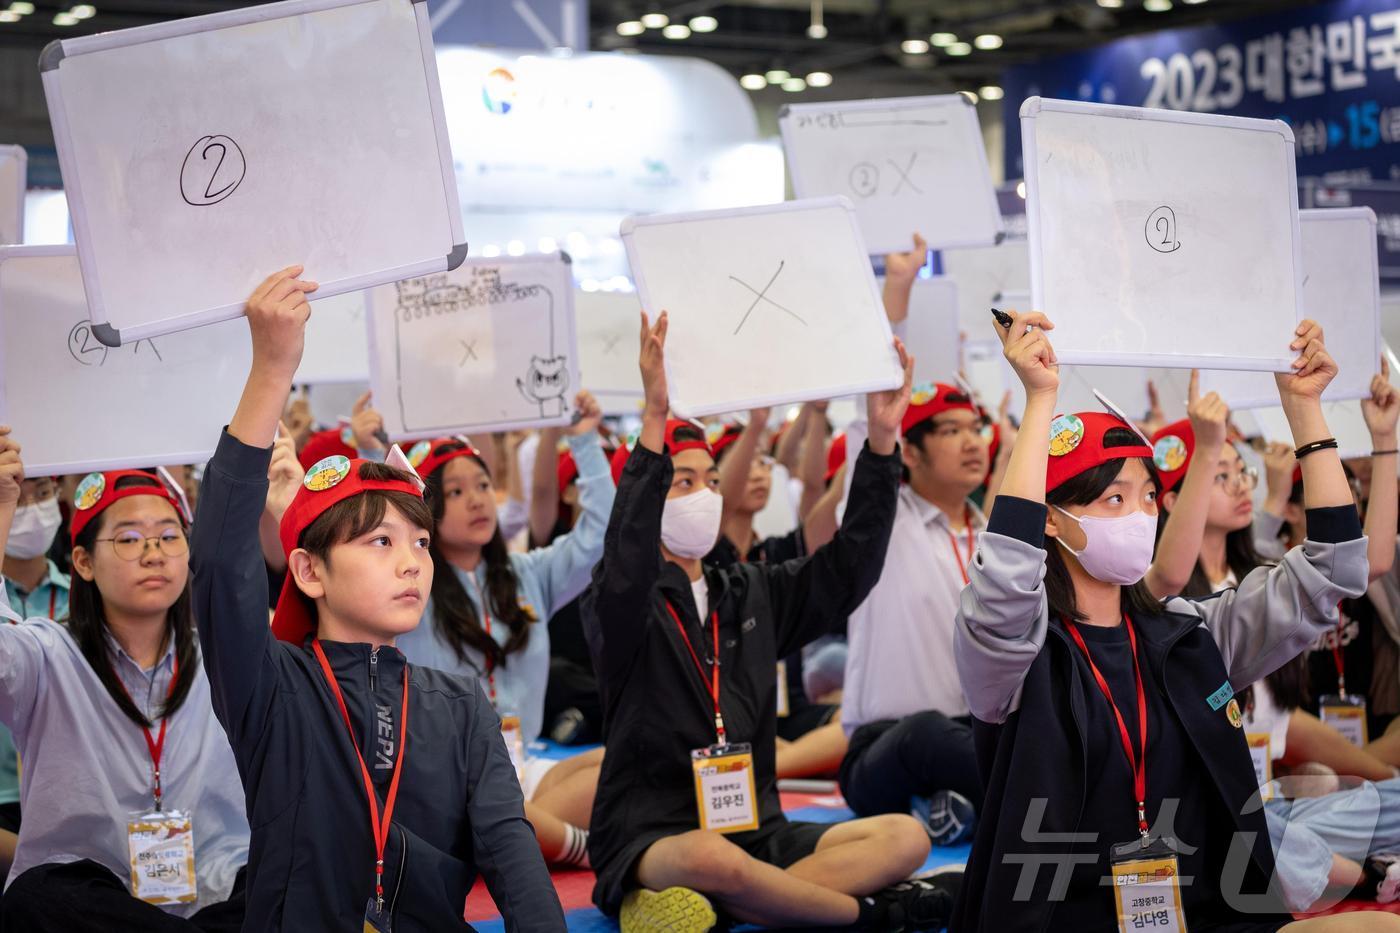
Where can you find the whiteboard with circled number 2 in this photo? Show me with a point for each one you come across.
(1160, 238)
(909, 164)
(304, 132)
(76, 405)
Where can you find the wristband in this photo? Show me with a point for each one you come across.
(1328, 444)
(1382, 453)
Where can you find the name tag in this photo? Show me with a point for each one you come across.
(782, 690)
(1346, 714)
(515, 743)
(1261, 753)
(162, 857)
(1147, 886)
(724, 788)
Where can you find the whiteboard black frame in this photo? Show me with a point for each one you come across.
(50, 61)
(800, 180)
(631, 223)
(1032, 107)
(19, 154)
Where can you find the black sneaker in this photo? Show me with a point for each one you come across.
(922, 904)
(948, 816)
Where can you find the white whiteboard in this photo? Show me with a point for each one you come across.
(309, 131)
(983, 275)
(14, 179)
(1341, 291)
(909, 164)
(768, 305)
(931, 331)
(337, 341)
(608, 347)
(489, 346)
(77, 405)
(1162, 238)
(1344, 420)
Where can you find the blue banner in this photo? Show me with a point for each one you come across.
(1332, 71)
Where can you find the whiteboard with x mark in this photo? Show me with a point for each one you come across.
(768, 305)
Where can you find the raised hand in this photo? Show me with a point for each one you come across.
(653, 365)
(1313, 370)
(885, 410)
(11, 469)
(277, 313)
(367, 424)
(1028, 350)
(1382, 409)
(590, 414)
(1209, 415)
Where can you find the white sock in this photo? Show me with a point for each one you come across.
(575, 850)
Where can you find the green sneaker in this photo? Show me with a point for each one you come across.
(674, 910)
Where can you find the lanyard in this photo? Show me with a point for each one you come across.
(156, 745)
(380, 827)
(1136, 763)
(486, 624)
(957, 554)
(711, 682)
(1338, 658)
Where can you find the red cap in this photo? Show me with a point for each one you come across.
(991, 432)
(332, 480)
(425, 461)
(568, 470)
(835, 456)
(1172, 448)
(1076, 445)
(324, 444)
(934, 398)
(673, 447)
(727, 436)
(97, 492)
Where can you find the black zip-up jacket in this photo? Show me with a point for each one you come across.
(311, 856)
(656, 709)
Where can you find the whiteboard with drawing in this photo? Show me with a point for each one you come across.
(489, 346)
(909, 164)
(931, 330)
(608, 328)
(984, 276)
(307, 131)
(1341, 291)
(14, 180)
(76, 405)
(768, 305)
(337, 341)
(1160, 238)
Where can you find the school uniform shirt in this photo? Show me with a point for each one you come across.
(546, 579)
(48, 600)
(1048, 743)
(656, 707)
(311, 857)
(87, 769)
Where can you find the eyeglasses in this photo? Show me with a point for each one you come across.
(1244, 481)
(131, 545)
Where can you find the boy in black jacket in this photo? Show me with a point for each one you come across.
(687, 808)
(375, 792)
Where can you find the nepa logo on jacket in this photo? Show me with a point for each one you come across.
(383, 738)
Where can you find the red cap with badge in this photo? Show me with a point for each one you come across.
(673, 447)
(97, 492)
(325, 444)
(1077, 445)
(1172, 448)
(934, 398)
(427, 456)
(728, 434)
(332, 480)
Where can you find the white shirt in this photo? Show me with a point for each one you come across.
(701, 591)
(900, 640)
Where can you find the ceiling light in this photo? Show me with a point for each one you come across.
(1021, 189)
(8, 16)
(676, 31)
(959, 48)
(990, 92)
(819, 79)
(794, 85)
(1193, 2)
(913, 47)
(776, 76)
(816, 31)
(988, 42)
(1111, 4)
(22, 7)
(655, 20)
(943, 39)
(753, 82)
(547, 244)
(631, 27)
(703, 24)
(1156, 6)
(84, 11)
(65, 19)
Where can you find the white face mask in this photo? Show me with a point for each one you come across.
(1116, 550)
(33, 529)
(690, 524)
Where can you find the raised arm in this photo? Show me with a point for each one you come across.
(284, 477)
(901, 269)
(738, 463)
(544, 487)
(21, 651)
(1381, 411)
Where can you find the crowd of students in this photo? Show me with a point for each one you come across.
(312, 703)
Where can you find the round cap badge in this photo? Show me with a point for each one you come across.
(1169, 453)
(1066, 432)
(347, 435)
(923, 393)
(1233, 712)
(419, 453)
(327, 473)
(89, 491)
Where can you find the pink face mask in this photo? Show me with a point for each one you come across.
(1116, 550)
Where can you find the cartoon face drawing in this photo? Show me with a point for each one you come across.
(546, 382)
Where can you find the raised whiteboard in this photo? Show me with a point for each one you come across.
(931, 330)
(1344, 421)
(489, 346)
(909, 164)
(1341, 291)
(1161, 238)
(608, 347)
(14, 179)
(768, 305)
(983, 276)
(77, 405)
(201, 155)
(337, 341)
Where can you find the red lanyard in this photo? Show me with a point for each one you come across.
(156, 745)
(1138, 764)
(712, 682)
(380, 827)
(957, 554)
(53, 604)
(486, 624)
(1338, 658)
